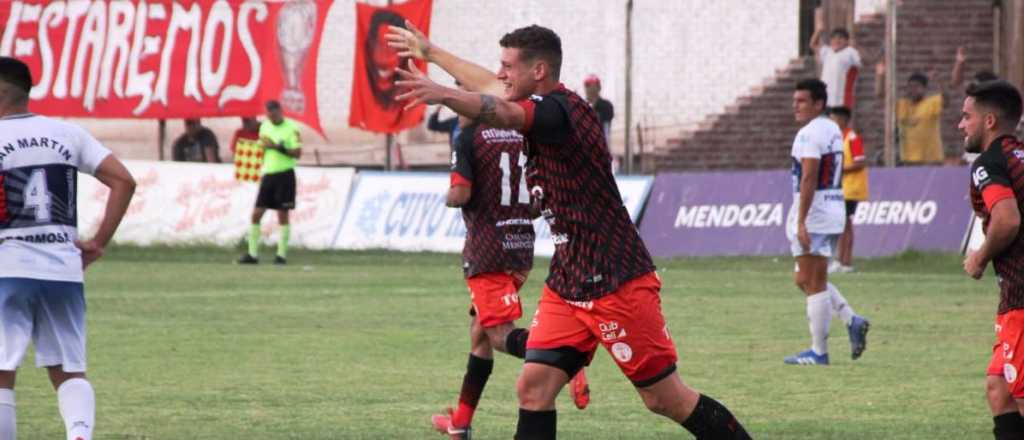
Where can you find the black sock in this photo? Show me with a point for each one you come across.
(711, 420)
(515, 342)
(477, 371)
(536, 425)
(1009, 426)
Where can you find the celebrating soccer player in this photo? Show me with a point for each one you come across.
(816, 218)
(991, 112)
(602, 287)
(42, 299)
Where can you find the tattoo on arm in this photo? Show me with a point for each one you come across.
(488, 107)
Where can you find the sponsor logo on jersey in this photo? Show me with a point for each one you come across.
(980, 176)
(727, 216)
(41, 238)
(1009, 373)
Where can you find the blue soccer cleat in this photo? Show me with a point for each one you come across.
(808, 357)
(858, 329)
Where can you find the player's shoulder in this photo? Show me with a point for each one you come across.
(820, 127)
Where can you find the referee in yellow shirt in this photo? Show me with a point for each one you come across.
(282, 146)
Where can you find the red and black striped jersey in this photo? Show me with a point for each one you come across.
(499, 229)
(997, 174)
(597, 246)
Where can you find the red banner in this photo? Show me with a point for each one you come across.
(373, 74)
(167, 59)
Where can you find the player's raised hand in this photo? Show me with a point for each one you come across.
(91, 251)
(421, 90)
(409, 42)
(961, 55)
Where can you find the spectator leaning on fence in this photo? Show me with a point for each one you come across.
(918, 116)
(196, 144)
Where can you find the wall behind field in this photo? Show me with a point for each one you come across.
(691, 58)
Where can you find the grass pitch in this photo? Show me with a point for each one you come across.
(183, 344)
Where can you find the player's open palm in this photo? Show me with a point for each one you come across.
(420, 89)
(409, 42)
(91, 251)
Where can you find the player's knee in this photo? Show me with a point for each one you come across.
(533, 394)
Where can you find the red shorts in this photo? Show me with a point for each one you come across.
(1008, 351)
(627, 322)
(495, 297)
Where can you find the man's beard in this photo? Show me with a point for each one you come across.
(972, 144)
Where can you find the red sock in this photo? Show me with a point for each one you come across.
(477, 372)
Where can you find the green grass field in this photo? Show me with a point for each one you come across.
(183, 344)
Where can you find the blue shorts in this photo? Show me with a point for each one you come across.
(822, 245)
(51, 315)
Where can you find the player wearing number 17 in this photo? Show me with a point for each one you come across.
(41, 259)
(816, 218)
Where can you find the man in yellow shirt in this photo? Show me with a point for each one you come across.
(855, 186)
(282, 147)
(918, 116)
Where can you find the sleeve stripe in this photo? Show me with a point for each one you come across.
(528, 107)
(995, 193)
(458, 179)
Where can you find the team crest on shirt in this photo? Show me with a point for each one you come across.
(1009, 373)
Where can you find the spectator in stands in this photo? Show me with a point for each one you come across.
(855, 186)
(918, 116)
(604, 108)
(840, 63)
(197, 144)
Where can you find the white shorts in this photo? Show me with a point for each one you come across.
(50, 314)
(822, 245)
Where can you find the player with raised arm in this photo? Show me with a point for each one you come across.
(991, 111)
(602, 288)
(42, 300)
(816, 218)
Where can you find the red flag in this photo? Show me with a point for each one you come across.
(167, 59)
(374, 74)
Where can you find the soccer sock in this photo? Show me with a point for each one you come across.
(712, 420)
(839, 305)
(8, 421)
(819, 316)
(536, 425)
(254, 240)
(515, 342)
(1009, 426)
(282, 244)
(477, 372)
(77, 403)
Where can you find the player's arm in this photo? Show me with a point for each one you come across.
(1003, 226)
(115, 176)
(808, 185)
(480, 107)
(411, 43)
(295, 149)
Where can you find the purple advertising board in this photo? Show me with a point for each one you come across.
(744, 212)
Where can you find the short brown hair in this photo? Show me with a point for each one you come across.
(536, 42)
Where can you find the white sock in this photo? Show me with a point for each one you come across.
(77, 403)
(819, 316)
(8, 421)
(840, 306)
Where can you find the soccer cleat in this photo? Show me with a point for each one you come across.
(280, 261)
(248, 259)
(580, 389)
(443, 423)
(808, 357)
(858, 329)
(834, 266)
